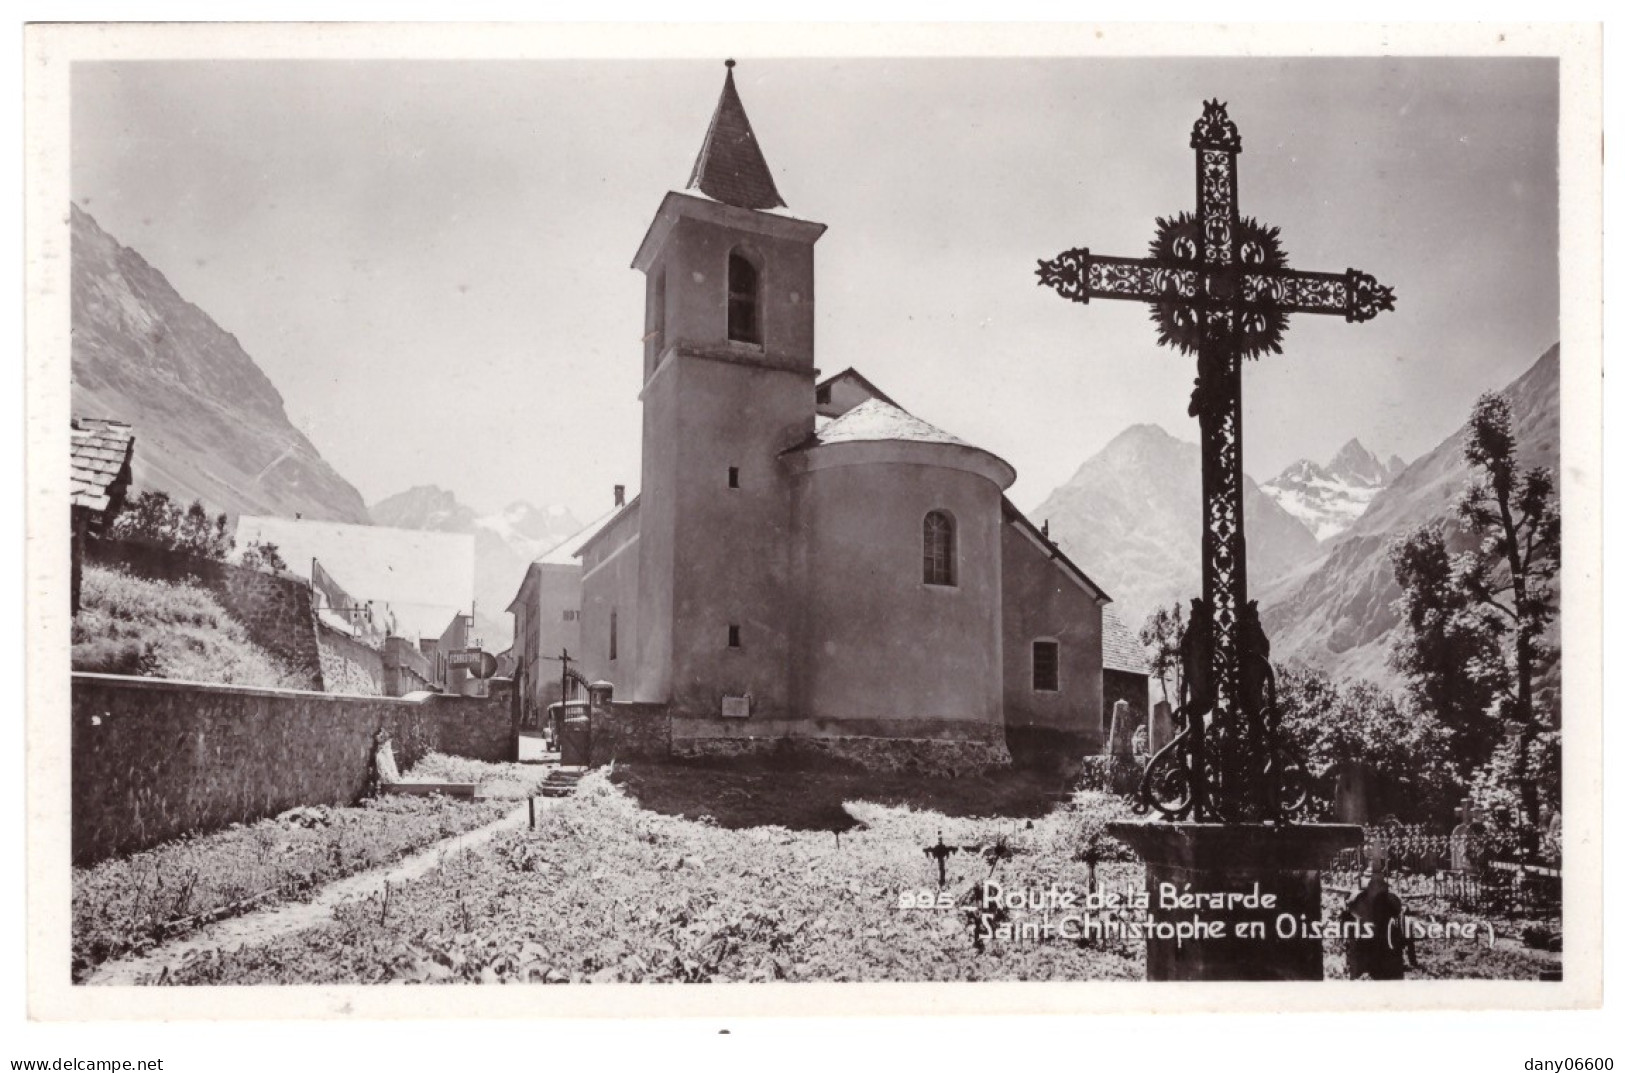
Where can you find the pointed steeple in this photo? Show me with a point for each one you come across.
(730, 167)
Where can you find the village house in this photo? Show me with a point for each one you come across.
(1125, 670)
(547, 618)
(807, 563)
(99, 481)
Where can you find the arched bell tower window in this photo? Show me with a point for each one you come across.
(939, 549)
(744, 299)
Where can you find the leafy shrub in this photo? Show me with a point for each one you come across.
(262, 556)
(153, 518)
(1333, 723)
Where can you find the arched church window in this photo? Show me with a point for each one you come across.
(744, 299)
(939, 549)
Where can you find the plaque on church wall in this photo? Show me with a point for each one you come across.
(736, 707)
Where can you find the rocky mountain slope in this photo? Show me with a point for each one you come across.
(1338, 609)
(1131, 517)
(1329, 498)
(208, 423)
(505, 543)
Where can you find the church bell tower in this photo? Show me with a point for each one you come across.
(728, 384)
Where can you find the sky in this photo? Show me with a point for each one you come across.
(431, 259)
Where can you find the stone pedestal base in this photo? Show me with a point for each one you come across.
(1280, 940)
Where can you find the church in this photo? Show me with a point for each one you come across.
(807, 565)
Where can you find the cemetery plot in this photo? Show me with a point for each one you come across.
(607, 891)
(130, 904)
(1459, 876)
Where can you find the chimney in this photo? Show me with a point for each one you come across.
(1046, 528)
(620, 495)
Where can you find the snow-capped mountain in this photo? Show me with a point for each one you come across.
(1329, 498)
(1131, 517)
(1338, 611)
(529, 530)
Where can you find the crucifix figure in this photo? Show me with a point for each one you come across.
(1219, 288)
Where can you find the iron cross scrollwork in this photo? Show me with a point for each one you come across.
(1219, 288)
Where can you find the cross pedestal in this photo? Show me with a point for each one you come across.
(1260, 942)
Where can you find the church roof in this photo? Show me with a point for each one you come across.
(1120, 650)
(878, 420)
(730, 167)
(1052, 550)
(565, 554)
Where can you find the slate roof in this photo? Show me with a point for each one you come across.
(730, 167)
(1120, 650)
(101, 461)
(876, 420)
(564, 554)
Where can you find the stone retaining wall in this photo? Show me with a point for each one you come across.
(348, 665)
(273, 607)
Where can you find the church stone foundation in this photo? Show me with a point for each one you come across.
(911, 755)
(1047, 749)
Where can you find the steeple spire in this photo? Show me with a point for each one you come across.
(730, 167)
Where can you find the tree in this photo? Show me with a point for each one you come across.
(1449, 647)
(1510, 572)
(1333, 724)
(1474, 622)
(153, 518)
(1162, 634)
(263, 555)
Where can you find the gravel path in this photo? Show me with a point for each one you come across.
(277, 921)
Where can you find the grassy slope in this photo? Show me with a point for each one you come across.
(131, 625)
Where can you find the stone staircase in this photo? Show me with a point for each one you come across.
(561, 781)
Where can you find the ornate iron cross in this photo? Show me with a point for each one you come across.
(1219, 288)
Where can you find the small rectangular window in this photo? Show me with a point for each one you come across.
(612, 631)
(733, 476)
(571, 616)
(823, 394)
(733, 636)
(1046, 667)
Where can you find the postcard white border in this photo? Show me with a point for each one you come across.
(50, 49)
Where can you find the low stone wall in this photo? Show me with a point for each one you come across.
(154, 759)
(651, 732)
(1046, 749)
(913, 755)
